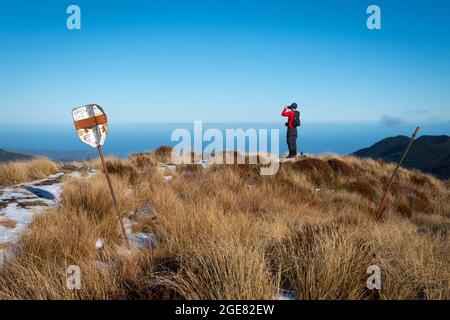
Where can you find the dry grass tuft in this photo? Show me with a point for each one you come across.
(163, 154)
(143, 160)
(247, 172)
(341, 167)
(422, 202)
(361, 187)
(318, 259)
(190, 170)
(420, 179)
(92, 196)
(319, 170)
(122, 168)
(404, 210)
(233, 272)
(23, 171)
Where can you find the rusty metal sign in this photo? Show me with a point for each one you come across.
(91, 124)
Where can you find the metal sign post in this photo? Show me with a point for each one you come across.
(379, 214)
(91, 124)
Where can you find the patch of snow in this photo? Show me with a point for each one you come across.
(205, 163)
(11, 194)
(21, 216)
(283, 160)
(167, 178)
(170, 166)
(28, 193)
(99, 244)
(55, 176)
(286, 295)
(140, 239)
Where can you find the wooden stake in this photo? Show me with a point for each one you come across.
(100, 152)
(379, 214)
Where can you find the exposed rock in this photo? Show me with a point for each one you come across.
(48, 182)
(142, 240)
(41, 193)
(30, 204)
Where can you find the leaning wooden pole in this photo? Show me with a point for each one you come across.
(379, 214)
(102, 158)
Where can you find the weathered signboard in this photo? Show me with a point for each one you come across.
(91, 124)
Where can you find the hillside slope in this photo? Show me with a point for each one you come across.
(6, 156)
(429, 154)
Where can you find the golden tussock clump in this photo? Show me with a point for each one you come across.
(341, 168)
(163, 154)
(28, 170)
(143, 160)
(318, 170)
(363, 188)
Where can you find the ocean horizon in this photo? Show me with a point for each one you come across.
(60, 141)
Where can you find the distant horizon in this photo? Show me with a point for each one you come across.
(124, 139)
(280, 122)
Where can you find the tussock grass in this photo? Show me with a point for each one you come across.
(362, 187)
(23, 171)
(227, 232)
(143, 160)
(340, 167)
(163, 154)
(318, 170)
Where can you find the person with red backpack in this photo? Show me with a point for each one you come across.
(292, 124)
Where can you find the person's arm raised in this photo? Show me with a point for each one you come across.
(285, 113)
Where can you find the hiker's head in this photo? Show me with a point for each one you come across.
(293, 106)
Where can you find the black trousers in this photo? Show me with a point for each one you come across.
(291, 138)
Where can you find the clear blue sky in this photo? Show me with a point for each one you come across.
(225, 61)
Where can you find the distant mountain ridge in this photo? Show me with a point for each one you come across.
(429, 154)
(6, 156)
(59, 155)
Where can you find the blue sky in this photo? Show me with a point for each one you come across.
(226, 61)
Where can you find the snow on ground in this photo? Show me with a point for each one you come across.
(140, 239)
(286, 295)
(20, 203)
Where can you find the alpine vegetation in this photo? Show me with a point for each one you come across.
(226, 232)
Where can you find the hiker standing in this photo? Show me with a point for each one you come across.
(292, 124)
